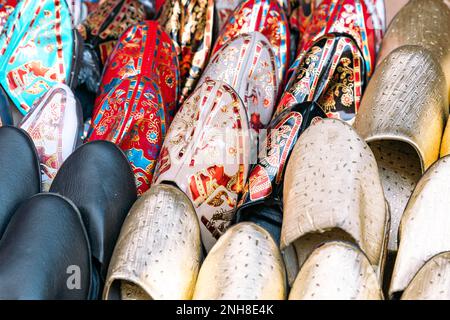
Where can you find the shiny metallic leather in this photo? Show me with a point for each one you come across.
(337, 271)
(245, 264)
(158, 253)
(432, 282)
(424, 228)
(425, 23)
(402, 117)
(332, 191)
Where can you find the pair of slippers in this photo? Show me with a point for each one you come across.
(58, 245)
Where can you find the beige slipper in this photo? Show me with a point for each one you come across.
(332, 192)
(402, 117)
(337, 271)
(425, 226)
(245, 264)
(158, 253)
(432, 282)
(425, 23)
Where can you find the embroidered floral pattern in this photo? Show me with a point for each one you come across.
(36, 54)
(206, 154)
(247, 63)
(138, 97)
(6, 8)
(332, 73)
(105, 24)
(340, 89)
(347, 17)
(266, 17)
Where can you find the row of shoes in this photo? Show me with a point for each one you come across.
(209, 168)
(57, 245)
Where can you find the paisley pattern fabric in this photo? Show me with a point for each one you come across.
(38, 47)
(248, 65)
(206, 154)
(263, 195)
(6, 8)
(105, 24)
(138, 97)
(54, 125)
(349, 17)
(190, 25)
(266, 17)
(333, 74)
(145, 50)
